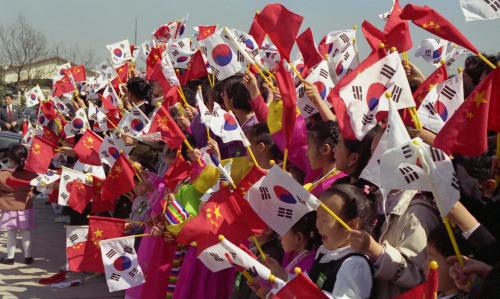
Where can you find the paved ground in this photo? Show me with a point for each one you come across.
(48, 247)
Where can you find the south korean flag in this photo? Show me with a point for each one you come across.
(180, 53)
(110, 149)
(339, 41)
(225, 125)
(365, 96)
(280, 201)
(68, 176)
(320, 77)
(432, 51)
(247, 42)
(34, 96)
(98, 117)
(441, 103)
(343, 64)
(224, 59)
(121, 266)
(77, 124)
(44, 180)
(418, 166)
(134, 122)
(120, 52)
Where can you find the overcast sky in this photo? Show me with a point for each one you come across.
(96, 23)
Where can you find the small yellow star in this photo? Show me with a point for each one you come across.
(217, 213)
(98, 233)
(479, 99)
(469, 115)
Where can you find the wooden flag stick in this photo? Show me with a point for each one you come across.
(259, 248)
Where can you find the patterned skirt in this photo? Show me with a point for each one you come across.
(17, 219)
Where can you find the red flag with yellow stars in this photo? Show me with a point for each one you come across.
(122, 72)
(99, 206)
(430, 20)
(397, 31)
(78, 73)
(100, 228)
(39, 156)
(170, 132)
(154, 56)
(63, 85)
(120, 180)
(79, 196)
(205, 31)
(87, 148)
(466, 131)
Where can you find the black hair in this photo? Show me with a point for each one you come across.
(190, 95)
(439, 239)
(8, 95)
(18, 154)
(264, 92)
(241, 99)
(363, 149)
(325, 132)
(260, 133)
(231, 85)
(307, 227)
(475, 67)
(356, 204)
(140, 88)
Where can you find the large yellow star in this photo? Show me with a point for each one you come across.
(217, 213)
(36, 148)
(480, 99)
(98, 233)
(90, 140)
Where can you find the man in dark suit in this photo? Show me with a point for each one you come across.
(10, 115)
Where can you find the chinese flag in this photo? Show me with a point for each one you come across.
(119, 181)
(176, 172)
(286, 86)
(100, 228)
(430, 20)
(425, 290)
(301, 287)
(153, 58)
(206, 31)
(170, 96)
(397, 30)
(98, 205)
(39, 156)
(48, 110)
(88, 147)
(79, 196)
(78, 73)
(197, 68)
(62, 86)
(372, 34)
(165, 124)
(122, 72)
(49, 136)
(219, 215)
(257, 32)
(307, 48)
(465, 133)
(282, 27)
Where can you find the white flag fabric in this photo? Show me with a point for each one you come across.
(433, 51)
(59, 71)
(224, 175)
(94, 170)
(120, 52)
(76, 237)
(338, 41)
(77, 124)
(395, 135)
(280, 201)
(434, 172)
(247, 43)
(168, 69)
(121, 266)
(106, 72)
(110, 149)
(68, 176)
(134, 122)
(60, 105)
(365, 96)
(225, 125)
(34, 96)
(95, 114)
(28, 137)
(180, 52)
(110, 99)
(453, 53)
(441, 103)
(344, 63)
(480, 9)
(223, 58)
(320, 77)
(270, 56)
(45, 179)
(205, 114)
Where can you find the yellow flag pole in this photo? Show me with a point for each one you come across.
(453, 241)
(190, 148)
(252, 156)
(335, 216)
(489, 63)
(285, 158)
(259, 248)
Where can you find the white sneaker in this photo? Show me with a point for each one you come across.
(62, 219)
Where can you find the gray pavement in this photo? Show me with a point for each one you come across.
(48, 249)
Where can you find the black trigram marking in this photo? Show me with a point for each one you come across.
(430, 107)
(301, 200)
(357, 92)
(347, 55)
(242, 39)
(133, 272)
(308, 109)
(126, 129)
(409, 174)
(324, 73)
(255, 52)
(335, 52)
(115, 276)
(128, 250)
(367, 119)
(111, 253)
(216, 257)
(240, 57)
(105, 154)
(64, 196)
(396, 93)
(252, 271)
(437, 155)
(175, 52)
(448, 92)
(216, 72)
(387, 71)
(285, 213)
(136, 113)
(264, 193)
(181, 44)
(454, 182)
(66, 177)
(450, 61)
(301, 91)
(73, 238)
(494, 4)
(204, 49)
(343, 37)
(428, 52)
(407, 151)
